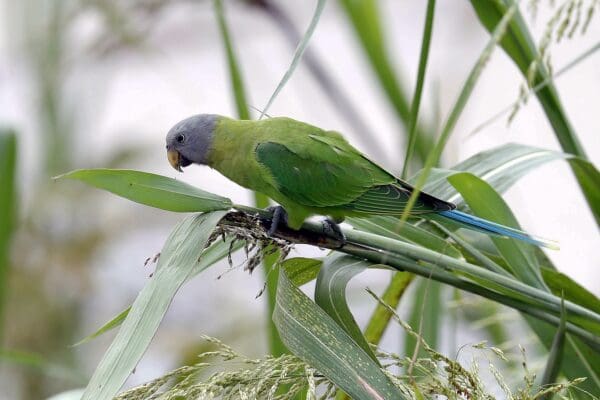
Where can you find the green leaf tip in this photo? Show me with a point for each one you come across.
(151, 189)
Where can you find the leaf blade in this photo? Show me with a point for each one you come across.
(330, 294)
(180, 257)
(314, 337)
(151, 189)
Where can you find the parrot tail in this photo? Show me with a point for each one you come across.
(480, 224)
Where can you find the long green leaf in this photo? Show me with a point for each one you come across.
(316, 338)
(301, 270)
(365, 19)
(471, 278)
(216, 252)
(260, 200)
(389, 227)
(459, 106)
(180, 258)
(8, 161)
(297, 55)
(151, 189)
(330, 294)
(381, 316)
(482, 199)
(501, 167)
(562, 285)
(409, 253)
(108, 326)
(487, 203)
(235, 76)
(519, 45)
(74, 394)
(425, 316)
(416, 101)
(556, 354)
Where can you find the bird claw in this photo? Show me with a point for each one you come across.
(279, 217)
(332, 229)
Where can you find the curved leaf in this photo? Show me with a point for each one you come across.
(519, 45)
(301, 270)
(579, 360)
(392, 228)
(108, 326)
(151, 189)
(330, 294)
(562, 285)
(180, 258)
(501, 167)
(216, 252)
(297, 55)
(316, 338)
(488, 204)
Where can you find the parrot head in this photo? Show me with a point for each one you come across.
(189, 141)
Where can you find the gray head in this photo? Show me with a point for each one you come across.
(189, 141)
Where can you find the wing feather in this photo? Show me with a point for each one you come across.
(321, 169)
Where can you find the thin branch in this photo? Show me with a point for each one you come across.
(407, 257)
(330, 88)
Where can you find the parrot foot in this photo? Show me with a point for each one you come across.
(331, 228)
(279, 217)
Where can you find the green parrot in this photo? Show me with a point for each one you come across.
(308, 171)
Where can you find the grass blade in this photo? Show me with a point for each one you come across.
(180, 258)
(151, 189)
(381, 316)
(8, 161)
(235, 76)
(556, 353)
(520, 257)
(74, 394)
(364, 16)
(330, 294)
(313, 336)
(519, 45)
(114, 322)
(260, 200)
(459, 106)
(297, 55)
(300, 270)
(425, 317)
(385, 226)
(416, 102)
(340, 102)
(465, 276)
(216, 252)
(487, 203)
(561, 285)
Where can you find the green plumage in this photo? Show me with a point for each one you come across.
(309, 171)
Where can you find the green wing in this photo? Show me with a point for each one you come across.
(312, 181)
(326, 171)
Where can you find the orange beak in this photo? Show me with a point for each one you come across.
(174, 159)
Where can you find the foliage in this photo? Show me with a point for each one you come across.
(310, 333)
(331, 355)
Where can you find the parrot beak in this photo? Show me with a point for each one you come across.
(174, 159)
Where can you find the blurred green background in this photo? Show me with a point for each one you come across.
(98, 83)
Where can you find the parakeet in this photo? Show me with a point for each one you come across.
(308, 171)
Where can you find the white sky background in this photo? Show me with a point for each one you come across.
(134, 98)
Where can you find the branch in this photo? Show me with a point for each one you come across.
(403, 256)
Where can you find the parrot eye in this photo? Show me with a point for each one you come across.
(180, 138)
